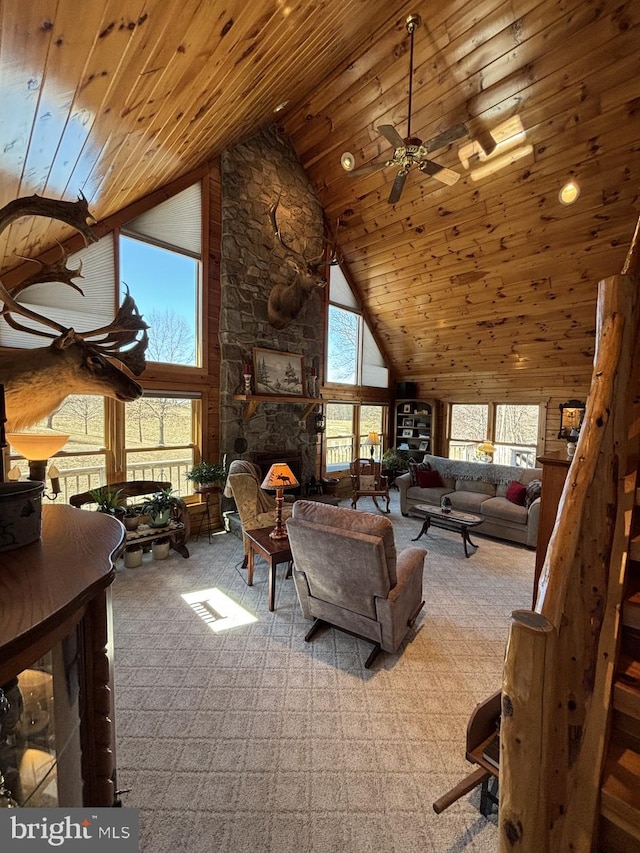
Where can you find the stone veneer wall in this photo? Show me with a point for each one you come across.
(252, 261)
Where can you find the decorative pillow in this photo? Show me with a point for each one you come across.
(414, 467)
(367, 482)
(534, 490)
(429, 479)
(517, 493)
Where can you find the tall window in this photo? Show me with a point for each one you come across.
(371, 427)
(348, 432)
(164, 285)
(511, 428)
(160, 263)
(339, 435)
(353, 357)
(159, 438)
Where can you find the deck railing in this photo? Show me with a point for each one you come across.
(74, 481)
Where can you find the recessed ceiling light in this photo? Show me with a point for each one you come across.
(569, 192)
(347, 161)
(280, 107)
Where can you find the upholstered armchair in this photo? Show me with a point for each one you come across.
(368, 481)
(347, 574)
(256, 508)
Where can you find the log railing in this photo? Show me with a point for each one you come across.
(560, 659)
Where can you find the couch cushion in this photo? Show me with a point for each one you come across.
(480, 486)
(502, 509)
(468, 501)
(534, 490)
(516, 493)
(429, 479)
(427, 496)
(415, 468)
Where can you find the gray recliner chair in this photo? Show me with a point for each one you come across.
(347, 574)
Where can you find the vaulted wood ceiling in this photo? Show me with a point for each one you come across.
(490, 277)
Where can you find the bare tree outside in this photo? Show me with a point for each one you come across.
(170, 338)
(342, 345)
(82, 408)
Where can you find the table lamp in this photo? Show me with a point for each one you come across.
(487, 449)
(373, 441)
(279, 477)
(37, 448)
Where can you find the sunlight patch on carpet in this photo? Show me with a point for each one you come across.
(218, 610)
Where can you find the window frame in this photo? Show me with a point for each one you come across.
(492, 408)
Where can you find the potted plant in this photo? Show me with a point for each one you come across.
(133, 556)
(160, 548)
(159, 507)
(207, 475)
(109, 502)
(394, 462)
(132, 517)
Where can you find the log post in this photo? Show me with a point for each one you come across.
(527, 686)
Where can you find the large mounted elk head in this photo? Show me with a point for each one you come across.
(286, 300)
(36, 381)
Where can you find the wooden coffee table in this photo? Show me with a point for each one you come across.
(274, 551)
(456, 521)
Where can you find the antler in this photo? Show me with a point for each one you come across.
(11, 304)
(74, 213)
(313, 262)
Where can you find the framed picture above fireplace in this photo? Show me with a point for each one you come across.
(278, 373)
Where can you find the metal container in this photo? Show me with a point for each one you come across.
(20, 513)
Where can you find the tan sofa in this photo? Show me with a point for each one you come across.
(480, 488)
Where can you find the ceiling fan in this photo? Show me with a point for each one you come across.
(411, 151)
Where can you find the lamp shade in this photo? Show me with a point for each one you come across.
(374, 439)
(486, 447)
(280, 476)
(36, 446)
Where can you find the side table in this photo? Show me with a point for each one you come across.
(274, 551)
(206, 492)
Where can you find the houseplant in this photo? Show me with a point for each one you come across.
(159, 507)
(109, 502)
(394, 462)
(206, 474)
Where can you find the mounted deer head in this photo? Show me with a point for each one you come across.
(286, 300)
(37, 380)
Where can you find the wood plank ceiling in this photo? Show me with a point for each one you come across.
(489, 283)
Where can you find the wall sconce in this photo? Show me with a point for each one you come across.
(279, 477)
(571, 415)
(320, 423)
(37, 448)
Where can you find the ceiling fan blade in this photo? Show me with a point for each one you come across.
(440, 173)
(398, 186)
(446, 137)
(391, 135)
(370, 167)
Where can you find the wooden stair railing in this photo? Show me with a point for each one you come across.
(561, 677)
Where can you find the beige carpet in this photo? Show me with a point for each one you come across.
(250, 739)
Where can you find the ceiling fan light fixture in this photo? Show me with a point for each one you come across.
(569, 192)
(348, 161)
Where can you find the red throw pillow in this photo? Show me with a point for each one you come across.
(516, 493)
(429, 479)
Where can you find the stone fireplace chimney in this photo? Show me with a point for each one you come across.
(252, 261)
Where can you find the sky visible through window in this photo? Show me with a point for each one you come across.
(164, 286)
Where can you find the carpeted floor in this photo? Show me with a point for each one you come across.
(247, 738)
